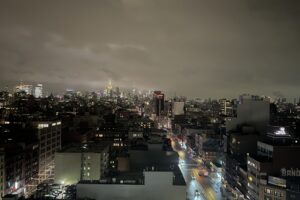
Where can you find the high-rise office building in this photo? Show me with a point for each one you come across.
(38, 91)
(158, 102)
(108, 89)
(178, 107)
(49, 135)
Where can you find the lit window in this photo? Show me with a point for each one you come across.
(268, 191)
(250, 178)
(40, 126)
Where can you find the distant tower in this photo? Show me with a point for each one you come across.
(38, 91)
(108, 89)
(109, 85)
(158, 102)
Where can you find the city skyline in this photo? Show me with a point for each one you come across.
(102, 90)
(196, 48)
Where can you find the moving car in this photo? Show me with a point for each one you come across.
(203, 173)
(197, 193)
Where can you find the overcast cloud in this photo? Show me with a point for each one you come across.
(197, 48)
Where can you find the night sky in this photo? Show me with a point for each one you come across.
(192, 47)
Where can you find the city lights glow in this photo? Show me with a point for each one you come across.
(281, 131)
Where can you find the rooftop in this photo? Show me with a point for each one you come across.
(132, 178)
(88, 147)
(288, 142)
(261, 159)
(155, 159)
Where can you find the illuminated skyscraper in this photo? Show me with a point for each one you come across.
(49, 134)
(108, 89)
(38, 91)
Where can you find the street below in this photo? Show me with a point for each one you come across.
(198, 186)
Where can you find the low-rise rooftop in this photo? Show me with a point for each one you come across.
(88, 147)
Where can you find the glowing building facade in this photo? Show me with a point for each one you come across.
(49, 134)
(24, 88)
(108, 92)
(38, 91)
